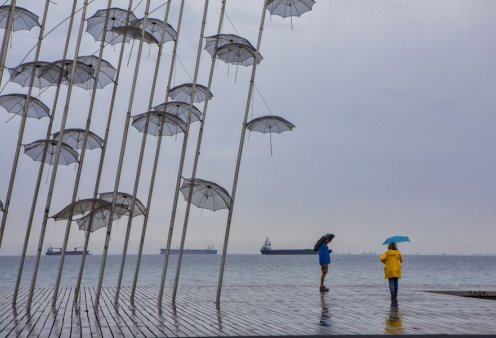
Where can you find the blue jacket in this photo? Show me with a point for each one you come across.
(324, 255)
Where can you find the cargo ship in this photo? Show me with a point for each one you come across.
(51, 251)
(208, 251)
(266, 249)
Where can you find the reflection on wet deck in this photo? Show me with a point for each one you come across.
(247, 311)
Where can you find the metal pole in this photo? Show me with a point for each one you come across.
(102, 158)
(42, 163)
(81, 156)
(57, 156)
(155, 163)
(121, 159)
(197, 155)
(183, 155)
(5, 48)
(140, 161)
(240, 153)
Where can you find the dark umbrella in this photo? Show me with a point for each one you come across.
(222, 40)
(206, 194)
(322, 240)
(23, 19)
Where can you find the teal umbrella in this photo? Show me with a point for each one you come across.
(396, 239)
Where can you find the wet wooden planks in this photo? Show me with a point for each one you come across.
(244, 311)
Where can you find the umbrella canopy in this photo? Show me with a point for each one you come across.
(75, 137)
(61, 70)
(101, 217)
(396, 239)
(270, 124)
(117, 17)
(15, 104)
(124, 199)
(206, 194)
(289, 8)
(105, 77)
(155, 27)
(134, 32)
(172, 124)
(22, 74)
(238, 54)
(35, 151)
(180, 109)
(81, 208)
(23, 19)
(222, 40)
(184, 92)
(322, 240)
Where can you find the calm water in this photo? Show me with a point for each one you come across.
(419, 272)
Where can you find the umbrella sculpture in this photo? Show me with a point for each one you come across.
(117, 18)
(184, 91)
(396, 239)
(205, 194)
(106, 75)
(60, 72)
(15, 104)
(35, 151)
(22, 74)
(180, 109)
(238, 54)
(23, 19)
(172, 124)
(81, 208)
(155, 27)
(289, 8)
(223, 39)
(75, 137)
(321, 240)
(124, 199)
(270, 124)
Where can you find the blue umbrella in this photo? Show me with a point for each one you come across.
(396, 239)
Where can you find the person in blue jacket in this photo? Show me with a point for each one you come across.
(324, 261)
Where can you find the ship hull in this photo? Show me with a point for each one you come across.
(288, 252)
(190, 251)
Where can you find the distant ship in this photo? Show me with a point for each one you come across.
(208, 251)
(266, 249)
(58, 251)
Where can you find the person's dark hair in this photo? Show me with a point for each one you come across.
(392, 246)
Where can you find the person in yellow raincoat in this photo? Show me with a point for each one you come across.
(392, 268)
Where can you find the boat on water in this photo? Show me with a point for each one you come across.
(51, 251)
(266, 249)
(208, 251)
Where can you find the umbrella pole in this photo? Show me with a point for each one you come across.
(183, 155)
(5, 43)
(42, 163)
(240, 153)
(57, 156)
(197, 155)
(121, 159)
(157, 153)
(81, 157)
(102, 158)
(141, 155)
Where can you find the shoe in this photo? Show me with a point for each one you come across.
(324, 289)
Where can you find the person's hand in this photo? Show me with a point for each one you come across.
(330, 250)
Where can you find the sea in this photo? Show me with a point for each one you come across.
(444, 272)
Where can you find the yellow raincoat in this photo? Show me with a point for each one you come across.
(392, 263)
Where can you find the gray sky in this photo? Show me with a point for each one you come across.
(393, 103)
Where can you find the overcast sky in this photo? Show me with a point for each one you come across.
(393, 104)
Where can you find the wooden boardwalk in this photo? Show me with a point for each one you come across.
(246, 311)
